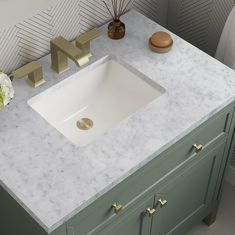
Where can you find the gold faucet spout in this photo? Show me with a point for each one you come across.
(61, 50)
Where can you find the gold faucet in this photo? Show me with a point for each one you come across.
(61, 50)
(34, 72)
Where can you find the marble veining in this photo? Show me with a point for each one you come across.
(53, 179)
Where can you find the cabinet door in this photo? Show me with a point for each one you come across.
(133, 222)
(189, 194)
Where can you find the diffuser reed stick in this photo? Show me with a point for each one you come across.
(118, 7)
(113, 16)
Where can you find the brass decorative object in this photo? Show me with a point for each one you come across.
(161, 42)
(85, 124)
(116, 28)
(34, 72)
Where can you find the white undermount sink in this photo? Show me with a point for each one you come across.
(94, 99)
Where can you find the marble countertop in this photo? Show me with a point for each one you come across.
(47, 174)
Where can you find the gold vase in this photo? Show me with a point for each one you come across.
(116, 29)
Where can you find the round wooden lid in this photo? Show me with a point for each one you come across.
(161, 39)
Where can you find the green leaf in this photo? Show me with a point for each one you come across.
(1, 98)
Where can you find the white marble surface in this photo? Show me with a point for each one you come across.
(53, 179)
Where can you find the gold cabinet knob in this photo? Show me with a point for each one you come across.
(162, 202)
(151, 212)
(117, 208)
(198, 147)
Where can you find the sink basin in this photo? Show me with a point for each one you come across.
(91, 101)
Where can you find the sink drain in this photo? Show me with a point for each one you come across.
(84, 124)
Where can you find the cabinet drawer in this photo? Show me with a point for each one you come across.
(205, 134)
(128, 191)
(135, 221)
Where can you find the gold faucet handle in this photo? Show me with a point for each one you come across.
(88, 36)
(83, 41)
(34, 72)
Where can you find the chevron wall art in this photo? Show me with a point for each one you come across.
(198, 21)
(29, 40)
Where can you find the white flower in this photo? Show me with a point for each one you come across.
(6, 89)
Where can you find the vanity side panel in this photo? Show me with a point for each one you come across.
(230, 145)
(228, 153)
(14, 220)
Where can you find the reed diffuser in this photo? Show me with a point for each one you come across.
(116, 28)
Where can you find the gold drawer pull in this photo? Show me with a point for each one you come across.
(162, 202)
(198, 147)
(151, 212)
(117, 208)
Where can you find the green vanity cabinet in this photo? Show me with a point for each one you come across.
(14, 220)
(175, 190)
(189, 194)
(182, 197)
(188, 177)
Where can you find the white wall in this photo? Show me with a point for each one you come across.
(15, 11)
